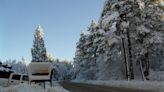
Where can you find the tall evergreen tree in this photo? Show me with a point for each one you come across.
(39, 53)
(140, 23)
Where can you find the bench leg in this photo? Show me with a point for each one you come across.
(44, 85)
(29, 82)
(51, 83)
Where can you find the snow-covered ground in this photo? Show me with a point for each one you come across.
(31, 88)
(24, 87)
(3, 82)
(143, 85)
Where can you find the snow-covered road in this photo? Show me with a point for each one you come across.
(80, 87)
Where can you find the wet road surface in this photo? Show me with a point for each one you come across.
(80, 87)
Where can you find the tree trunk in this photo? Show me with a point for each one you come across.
(146, 72)
(130, 56)
(142, 71)
(125, 59)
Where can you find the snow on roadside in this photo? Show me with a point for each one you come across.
(32, 88)
(143, 85)
(24, 87)
(3, 82)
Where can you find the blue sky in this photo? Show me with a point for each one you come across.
(62, 21)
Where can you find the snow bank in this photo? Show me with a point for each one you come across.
(143, 85)
(32, 88)
(4, 69)
(3, 82)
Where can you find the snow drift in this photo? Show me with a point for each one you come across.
(31, 88)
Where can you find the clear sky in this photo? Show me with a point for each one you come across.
(62, 21)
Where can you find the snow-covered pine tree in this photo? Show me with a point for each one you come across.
(79, 56)
(62, 70)
(85, 61)
(140, 23)
(50, 57)
(39, 53)
(24, 61)
(20, 67)
(0, 62)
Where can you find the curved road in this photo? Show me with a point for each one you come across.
(80, 87)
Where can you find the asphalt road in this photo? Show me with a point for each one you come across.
(79, 87)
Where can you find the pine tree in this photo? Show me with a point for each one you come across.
(133, 25)
(23, 61)
(85, 58)
(93, 26)
(50, 57)
(39, 53)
